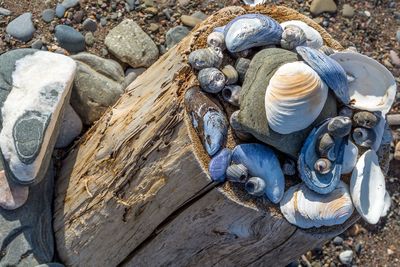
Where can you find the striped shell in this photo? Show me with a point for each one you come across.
(306, 209)
(237, 173)
(295, 97)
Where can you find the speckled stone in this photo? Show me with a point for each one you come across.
(21, 27)
(252, 117)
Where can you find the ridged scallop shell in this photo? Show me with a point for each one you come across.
(314, 39)
(295, 97)
(205, 58)
(372, 87)
(367, 187)
(216, 39)
(306, 209)
(251, 30)
(292, 37)
(262, 162)
(329, 70)
(322, 183)
(231, 74)
(211, 80)
(231, 94)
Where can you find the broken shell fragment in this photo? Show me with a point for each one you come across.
(208, 120)
(237, 173)
(255, 186)
(367, 187)
(231, 94)
(205, 58)
(211, 80)
(364, 137)
(306, 209)
(388, 203)
(231, 74)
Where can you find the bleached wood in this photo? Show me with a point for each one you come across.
(135, 190)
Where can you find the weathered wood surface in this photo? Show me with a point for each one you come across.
(135, 190)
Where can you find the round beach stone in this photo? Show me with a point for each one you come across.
(71, 127)
(252, 116)
(70, 3)
(175, 35)
(70, 39)
(89, 39)
(12, 195)
(5, 12)
(37, 44)
(48, 15)
(131, 45)
(89, 25)
(21, 27)
(60, 11)
(348, 11)
(319, 6)
(98, 84)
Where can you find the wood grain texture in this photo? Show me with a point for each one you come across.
(135, 191)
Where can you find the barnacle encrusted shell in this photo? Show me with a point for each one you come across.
(306, 209)
(365, 119)
(313, 38)
(292, 37)
(329, 70)
(206, 58)
(251, 30)
(367, 187)
(295, 97)
(372, 87)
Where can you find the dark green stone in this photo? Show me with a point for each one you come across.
(28, 133)
(252, 117)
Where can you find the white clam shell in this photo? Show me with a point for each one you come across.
(306, 209)
(367, 187)
(349, 157)
(254, 2)
(294, 98)
(314, 39)
(388, 203)
(372, 87)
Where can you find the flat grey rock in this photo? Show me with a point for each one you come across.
(70, 3)
(5, 12)
(131, 45)
(98, 84)
(21, 27)
(37, 44)
(89, 25)
(175, 35)
(48, 15)
(32, 104)
(71, 127)
(70, 39)
(26, 233)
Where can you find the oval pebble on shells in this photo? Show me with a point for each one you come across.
(255, 186)
(339, 126)
(365, 119)
(237, 173)
(205, 58)
(314, 39)
(306, 209)
(218, 165)
(231, 74)
(262, 162)
(292, 37)
(211, 80)
(216, 39)
(231, 94)
(251, 30)
(208, 120)
(367, 187)
(295, 97)
(325, 144)
(329, 70)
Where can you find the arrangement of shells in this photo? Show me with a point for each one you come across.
(340, 146)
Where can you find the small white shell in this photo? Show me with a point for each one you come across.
(254, 2)
(295, 97)
(367, 187)
(349, 157)
(306, 209)
(314, 39)
(371, 87)
(216, 39)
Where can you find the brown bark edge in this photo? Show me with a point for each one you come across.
(135, 190)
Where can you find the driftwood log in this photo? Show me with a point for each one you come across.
(135, 190)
